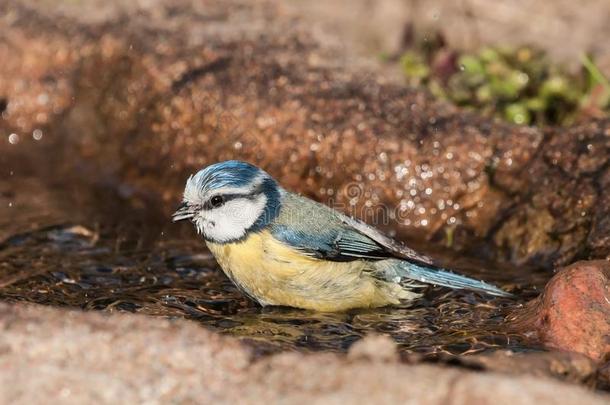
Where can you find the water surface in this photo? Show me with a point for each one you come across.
(67, 247)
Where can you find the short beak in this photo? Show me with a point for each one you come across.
(184, 211)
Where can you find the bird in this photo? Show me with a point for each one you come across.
(283, 249)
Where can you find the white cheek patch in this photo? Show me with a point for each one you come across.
(231, 221)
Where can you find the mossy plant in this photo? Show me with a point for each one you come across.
(520, 85)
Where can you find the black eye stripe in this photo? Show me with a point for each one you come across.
(209, 204)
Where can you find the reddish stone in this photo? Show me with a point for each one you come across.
(573, 312)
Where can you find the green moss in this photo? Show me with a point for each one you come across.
(415, 67)
(520, 85)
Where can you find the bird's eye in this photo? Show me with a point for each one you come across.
(217, 201)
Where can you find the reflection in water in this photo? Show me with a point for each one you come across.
(73, 266)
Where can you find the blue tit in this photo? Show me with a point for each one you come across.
(280, 248)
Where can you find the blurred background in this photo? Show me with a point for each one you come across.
(528, 62)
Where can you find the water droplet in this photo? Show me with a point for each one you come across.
(10, 204)
(37, 134)
(237, 145)
(42, 99)
(13, 139)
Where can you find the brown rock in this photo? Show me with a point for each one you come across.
(139, 95)
(573, 312)
(68, 357)
(374, 348)
(604, 376)
(567, 366)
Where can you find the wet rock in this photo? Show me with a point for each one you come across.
(567, 366)
(573, 312)
(75, 357)
(604, 376)
(141, 95)
(374, 348)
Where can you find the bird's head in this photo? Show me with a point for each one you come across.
(227, 200)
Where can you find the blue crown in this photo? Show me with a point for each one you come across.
(232, 173)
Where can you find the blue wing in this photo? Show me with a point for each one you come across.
(331, 244)
(322, 232)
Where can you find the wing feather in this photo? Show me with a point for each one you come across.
(322, 232)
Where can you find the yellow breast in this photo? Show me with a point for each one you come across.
(273, 273)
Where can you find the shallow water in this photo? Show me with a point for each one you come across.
(62, 250)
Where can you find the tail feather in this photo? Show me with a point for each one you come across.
(445, 278)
